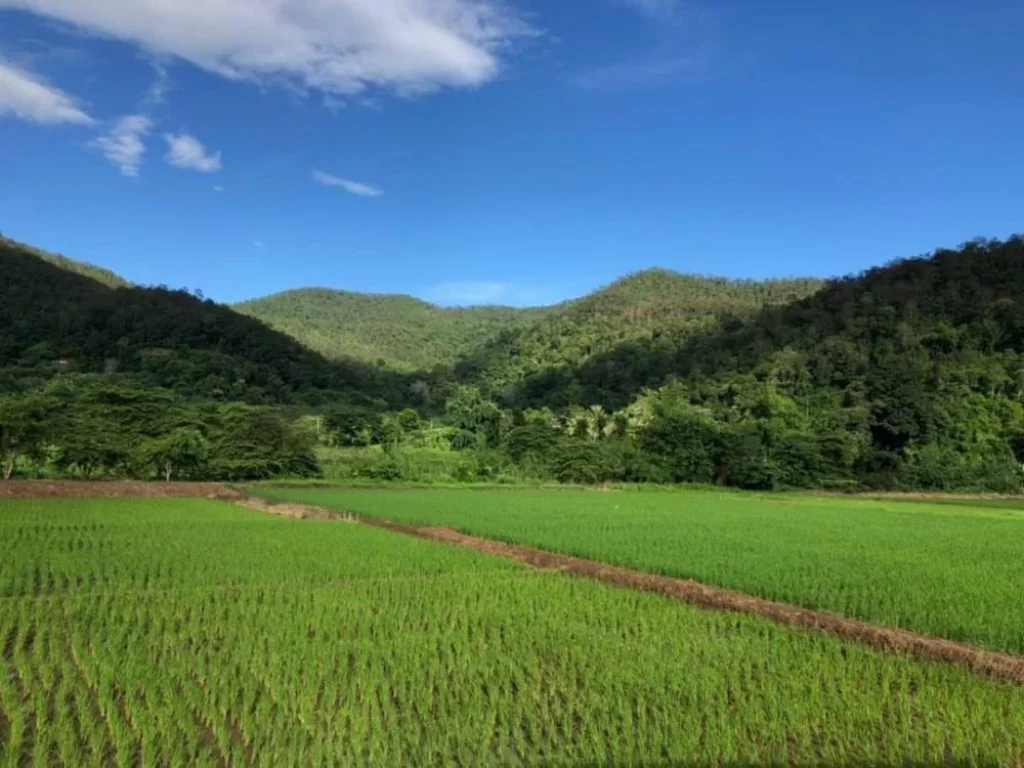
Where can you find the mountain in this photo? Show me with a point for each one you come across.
(653, 306)
(400, 332)
(500, 345)
(56, 317)
(91, 271)
(960, 304)
(909, 375)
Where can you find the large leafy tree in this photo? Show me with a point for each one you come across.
(26, 423)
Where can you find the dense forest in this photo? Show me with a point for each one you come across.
(908, 376)
(56, 318)
(399, 332)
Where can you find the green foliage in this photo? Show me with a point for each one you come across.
(53, 320)
(537, 363)
(405, 333)
(91, 425)
(91, 271)
(25, 425)
(250, 443)
(181, 453)
(909, 376)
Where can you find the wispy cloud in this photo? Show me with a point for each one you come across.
(481, 292)
(123, 145)
(333, 46)
(679, 49)
(352, 187)
(184, 151)
(655, 9)
(258, 243)
(156, 95)
(644, 73)
(28, 97)
(218, 188)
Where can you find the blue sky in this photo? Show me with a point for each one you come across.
(518, 152)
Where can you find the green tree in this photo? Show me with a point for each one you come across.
(181, 453)
(25, 425)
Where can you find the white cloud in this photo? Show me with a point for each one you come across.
(156, 94)
(335, 46)
(123, 145)
(258, 243)
(218, 188)
(25, 96)
(186, 151)
(352, 187)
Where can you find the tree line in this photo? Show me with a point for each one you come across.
(89, 426)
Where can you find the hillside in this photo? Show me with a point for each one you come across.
(54, 319)
(952, 302)
(498, 346)
(654, 305)
(91, 271)
(401, 332)
(909, 375)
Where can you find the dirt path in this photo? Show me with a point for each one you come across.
(297, 511)
(23, 489)
(990, 663)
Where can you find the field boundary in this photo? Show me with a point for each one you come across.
(44, 489)
(984, 662)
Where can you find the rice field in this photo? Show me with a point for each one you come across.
(952, 571)
(187, 632)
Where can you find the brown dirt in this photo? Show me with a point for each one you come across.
(112, 488)
(297, 511)
(979, 660)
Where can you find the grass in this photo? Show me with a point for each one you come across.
(946, 570)
(190, 632)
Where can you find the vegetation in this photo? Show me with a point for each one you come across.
(909, 376)
(54, 321)
(399, 332)
(91, 425)
(322, 643)
(656, 305)
(948, 571)
(91, 271)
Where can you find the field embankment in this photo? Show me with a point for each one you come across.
(27, 489)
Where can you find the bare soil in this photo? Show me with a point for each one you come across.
(112, 488)
(297, 511)
(979, 660)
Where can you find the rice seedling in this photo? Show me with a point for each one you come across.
(169, 632)
(950, 571)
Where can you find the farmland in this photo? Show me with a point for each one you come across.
(947, 570)
(160, 631)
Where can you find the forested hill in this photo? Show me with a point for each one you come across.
(956, 308)
(654, 306)
(498, 346)
(400, 332)
(58, 319)
(99, 274)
